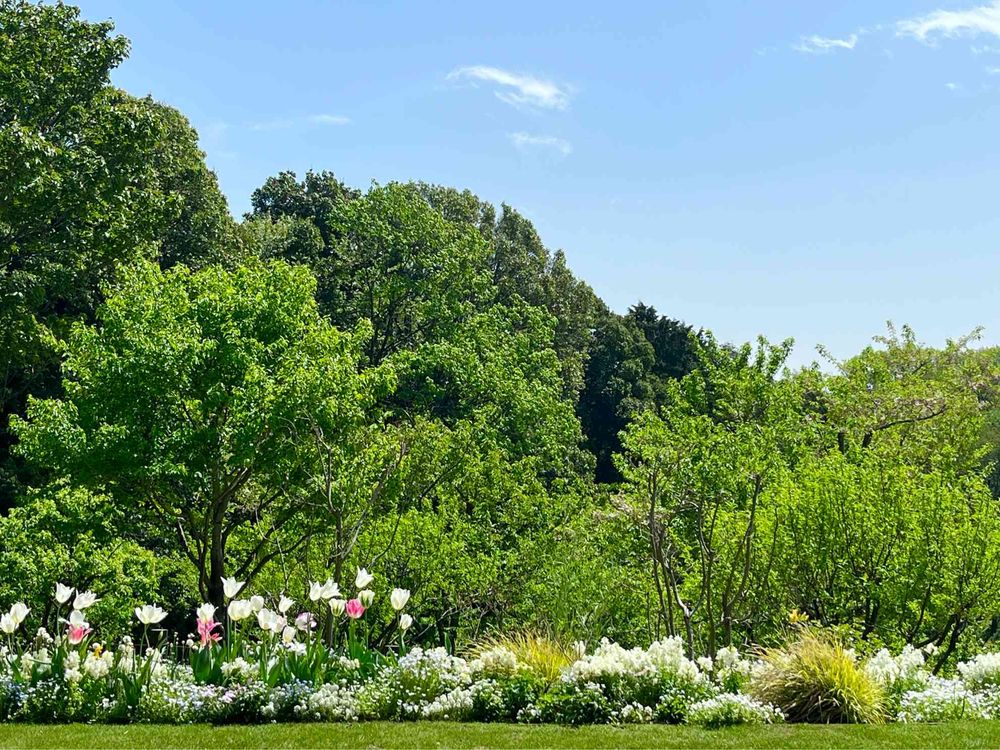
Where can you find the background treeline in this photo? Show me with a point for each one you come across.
(406, 378)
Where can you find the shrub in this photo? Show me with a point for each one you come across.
(660, 678)
(568, 703)
(505, 699)
(813, 678)
(727, 710)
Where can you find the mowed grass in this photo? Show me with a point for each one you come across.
(981, 734)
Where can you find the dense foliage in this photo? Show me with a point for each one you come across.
(406, 379)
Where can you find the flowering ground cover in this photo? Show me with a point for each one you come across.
(971, 734)
(290, 664)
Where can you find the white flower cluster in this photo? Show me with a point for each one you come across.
(663, 658)
(901, 673)
(730, 709)
(496, 662)
(729, 665)
(943, 700)
(331, 702)
(454, 705)
(983, 670)
(71, 666)
(240, 669)
(423, 684)
(632, 713)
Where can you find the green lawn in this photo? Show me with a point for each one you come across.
(382, 735)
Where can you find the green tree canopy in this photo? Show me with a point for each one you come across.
(90, 177)
(186, 405)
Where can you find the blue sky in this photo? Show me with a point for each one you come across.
(788, 168)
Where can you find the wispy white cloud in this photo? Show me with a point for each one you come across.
(284, 123)
(984, 49)
(993, 70)
(951, 86)
(515, 88)
(983, 19)
(525, 141)
(820, 45)
(329, 119)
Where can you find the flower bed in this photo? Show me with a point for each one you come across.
(278, 664)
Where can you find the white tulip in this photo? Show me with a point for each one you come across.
(363, 578)
(149, 614)
(205, 613)
(284, 604)
(398, 598)
(266, 619)
(405, 621)
(231, 587)
(239, 609)
(7, 624)
(367, 597)
(337, 606)
(315, 591)
(85, 599)
(63, 593)
(257, 602)
(288, 634)
(19, 612)
(76, 617)
(330, 589)
(327, 590)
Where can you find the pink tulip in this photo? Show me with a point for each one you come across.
(206, 631)
(77, 633)
(355, 609)
(305, 621)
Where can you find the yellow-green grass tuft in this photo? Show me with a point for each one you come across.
(543, 656)
(814, 678)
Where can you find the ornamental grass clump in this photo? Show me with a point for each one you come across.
(541, 656)
(814, 679)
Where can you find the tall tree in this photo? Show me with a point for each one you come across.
(188, 403)
(618, 385)
(90, 177)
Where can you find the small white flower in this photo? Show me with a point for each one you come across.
(149, 614)
(363, 578)
(85, 599)
(78, 619)
(284, 604)
(398, 598)
(367, 596)
(7, 624)
(231, 587)
(405, 621)
(257, 602)
(288, 634)
(337, 606)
